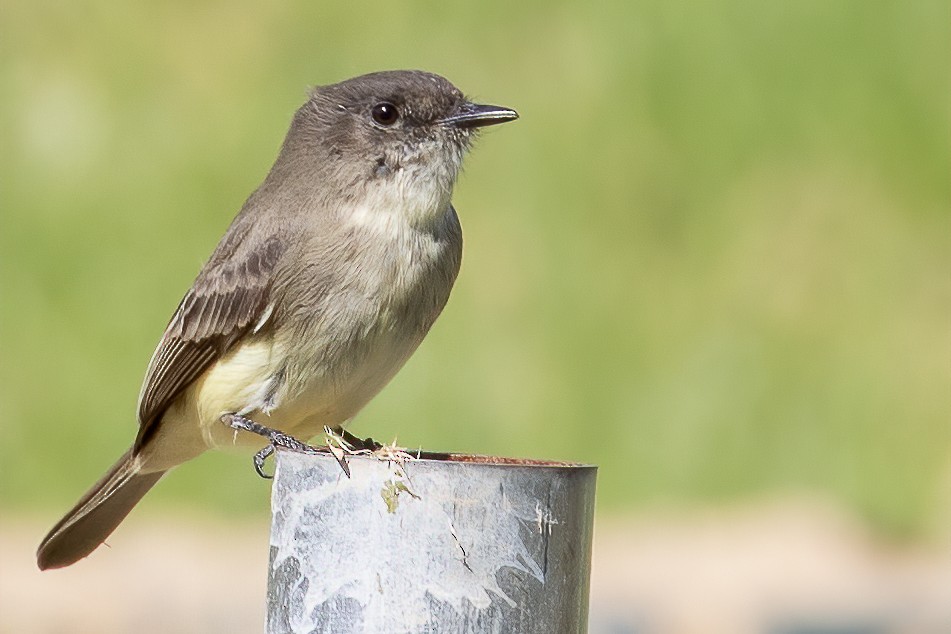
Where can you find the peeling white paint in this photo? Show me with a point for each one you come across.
(456, 557)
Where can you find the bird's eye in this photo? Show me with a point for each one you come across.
(385, 113)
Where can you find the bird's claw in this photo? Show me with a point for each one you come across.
(277, 439)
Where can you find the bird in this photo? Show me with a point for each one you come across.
(324, 284)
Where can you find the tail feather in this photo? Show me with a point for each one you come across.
(96, 515)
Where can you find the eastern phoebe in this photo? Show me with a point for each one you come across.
(322, 287)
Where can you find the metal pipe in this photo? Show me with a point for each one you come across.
(460, 544)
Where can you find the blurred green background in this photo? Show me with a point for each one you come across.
(713, 256)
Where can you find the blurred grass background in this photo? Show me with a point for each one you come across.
(713, 257)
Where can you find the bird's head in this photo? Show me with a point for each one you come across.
(394, 135)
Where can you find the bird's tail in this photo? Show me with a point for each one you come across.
(97, 514)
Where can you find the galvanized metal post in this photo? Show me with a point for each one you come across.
(463, 544)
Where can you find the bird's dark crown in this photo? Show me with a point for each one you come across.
(420, 98)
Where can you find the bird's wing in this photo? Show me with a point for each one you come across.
(230, 297)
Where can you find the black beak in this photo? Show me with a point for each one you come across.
(473, 115)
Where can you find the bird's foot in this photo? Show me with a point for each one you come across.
(349, 443)
(393, 453)
(340, 440)
(276, 439)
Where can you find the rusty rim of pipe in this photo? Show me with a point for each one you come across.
(444, 456)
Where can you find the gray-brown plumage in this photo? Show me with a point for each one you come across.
(324, 284)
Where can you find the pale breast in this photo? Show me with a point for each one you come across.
(346, 347)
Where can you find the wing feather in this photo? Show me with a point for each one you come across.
(229, 297)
